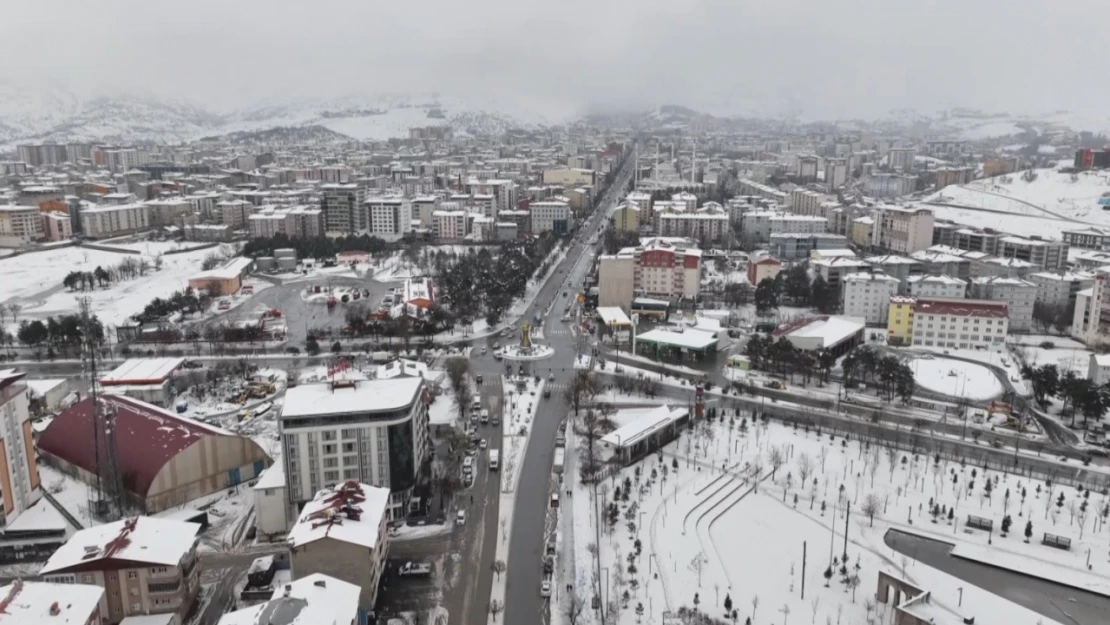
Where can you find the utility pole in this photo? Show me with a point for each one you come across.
(847, 513)
(803, 570)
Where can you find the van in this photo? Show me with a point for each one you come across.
(554, 500)
(484, 416)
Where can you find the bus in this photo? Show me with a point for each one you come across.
(494, 459)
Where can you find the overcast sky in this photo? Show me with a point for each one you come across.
(823, 58)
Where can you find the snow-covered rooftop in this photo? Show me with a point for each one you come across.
(142, 371)
(147, 540)
(45, 603)
(691, 339)
(317, 599)
(832, 330)
(355, 397)
(274, 477)
(351, 512)
(612, 315)
(645, 425)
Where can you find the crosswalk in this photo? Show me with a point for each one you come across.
(561, 331)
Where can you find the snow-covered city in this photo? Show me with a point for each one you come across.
(495, 332)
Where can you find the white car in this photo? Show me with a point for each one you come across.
(460, 517)
(545, 588)
(482, 444)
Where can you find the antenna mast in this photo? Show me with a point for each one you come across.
(106, 496)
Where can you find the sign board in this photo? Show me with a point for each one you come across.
(1104, 201)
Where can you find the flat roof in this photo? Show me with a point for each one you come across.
(232, 269)
(274, 477)
(316, 599)
(360, 396)
(611, 315)
(831, 330)
(140, 371)
(149, 540)
(29, 603)
(690, 339)
(635, 431)
(332, 514)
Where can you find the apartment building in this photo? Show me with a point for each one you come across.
(643, 202)
(899, 324)
(1090, 238)
(233, 213)
(626, 217)
(760, 225)
(836, 173)
(169, 212)
(960, 324)
(343, 210)
(986, 240)
(569, 177)
(550, 217)
(751, 187)
(423, 207)
(901, 159)
(1018, 295)
(1000, 165)
(936, 262)
(57, 226)
(1060, 289)
(707, 224)
(343, 533)
(760, 269)
(45, 603)
(946, 176)
(833, 270)
(503, 192)
(389, 218)
(792, 246)
(146, 565)
(805, 202)
(885, 185)
(449, 225)
(37, 155)
(104, 221)
(20, 225)
(20, 487)
(373, 431)
(1047, 254)
(866, 295)
(901, 229)
(901, 267)
(942, 286)
(657, 268)
(309, 600)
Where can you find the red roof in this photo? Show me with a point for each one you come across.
(961, 307)
(147, 437)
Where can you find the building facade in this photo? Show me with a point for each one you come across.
(959, 324)
(941, 286)
(1018, 295)
(866, 295)
(19, 473)
(551, 217)
(20, 225)
(902, 230)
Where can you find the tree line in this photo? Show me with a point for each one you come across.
(1079, 395)
(793, 287)
(784, 358)
(315, 247)
(63, 333)
(129, 268)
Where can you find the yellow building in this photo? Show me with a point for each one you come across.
(862, 229)
(899, 322)
(627, 218)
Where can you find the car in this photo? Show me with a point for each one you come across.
(479, 379)
(548, 564)
(545, 588)
(496, 345)
(497, 355)
(483, 351)
(460, 517)
(482, 444)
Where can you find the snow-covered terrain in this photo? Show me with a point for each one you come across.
(955, 378)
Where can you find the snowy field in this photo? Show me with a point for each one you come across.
(956, 378)
(689, 535)
(35, 282)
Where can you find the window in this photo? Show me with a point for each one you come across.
(327, 436)
(132, 575)
(331, 463)
(331, 476)
(348, 448)
(350, 461)
(135, 607)
(330, 449)
(87, 578)
(350, 434)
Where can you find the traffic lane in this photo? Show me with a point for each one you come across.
(474, 605)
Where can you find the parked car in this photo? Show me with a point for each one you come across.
(460, 517)
(545, 588)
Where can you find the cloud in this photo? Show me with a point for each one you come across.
(821, 58)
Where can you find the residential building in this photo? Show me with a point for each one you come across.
(233, 213)
(389, 218)
(942, 286)
(20, 487)
(343, 210)
(986, 240)
(946, 176)
(1000, 165)
(643, 202)
(20, 225)
(1091, 323)
(146, 565)
(901, 267)
(901, 159)
(374, 431)
(46, 603)
(1044, 253)
(762, 269)
(315, 599)
(57, 226)
(169, 212)
(1085, 158)
(111, 220)
(863, 231)
(449, 225)
(760, 225)
(899, 323)
(1089, 238)
(792, 246)
(217, 233)
(1019, 296)
(522, 220)
(751, 187)
(833, 270)
(343, 532)
(550, 217)
(569, 177)
(903, 230)
(866, 295)
(656, 268)
(836, 173)
(705, 224)
(805, 202)
(993, 266)
(1098, 369)
(38, 155)
(884, 185)
(959, 324)
(1059, 290)
(626, 217)
(424, 206)
(941, 263)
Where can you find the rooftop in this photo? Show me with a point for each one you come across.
(142, 371)
(831, 330)
(350, 512)
(690, 339)
(961, 307)
(141, 540)
(313, 600)
(941, 279)
(46, 603)
(358, 396)
(649, 423)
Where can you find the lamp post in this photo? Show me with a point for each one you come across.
(961, 591)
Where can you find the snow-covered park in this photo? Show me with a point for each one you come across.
(956, 378)
(737, 515)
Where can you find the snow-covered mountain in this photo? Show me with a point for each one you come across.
(30, 116)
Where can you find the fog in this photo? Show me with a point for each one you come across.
(816, 58)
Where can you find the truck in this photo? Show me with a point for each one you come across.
(494, 459)
(557, 464)
(415, 569)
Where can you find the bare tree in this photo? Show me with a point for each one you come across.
(573, 609)
(872, 505)
(755, 605)
(495, 608)
(813, 603)
(499, 567)
(785, 609)
(873, 468)
(582, 389)
(823, 455)
(805, 467)
(776, 457)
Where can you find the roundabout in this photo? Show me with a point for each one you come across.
(526, 349)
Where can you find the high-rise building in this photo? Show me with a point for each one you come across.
(342, 205)
(19, 473)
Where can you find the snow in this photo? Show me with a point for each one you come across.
(152, 541)
(956, 378)
(316, 599)
(363, 532)
(699, 517)
(375, 395)
(1019, 563)
(31, 603)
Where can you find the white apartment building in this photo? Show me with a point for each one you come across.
(57, 226)
(867, 295)
(550, 217)
(901, 229)
(20, 487)
(760, 225)
(901, 159)
(169, 212)
(374, 431)
(449, 225)
(342, 206)
(389, 217)
(806, 202)
(833, 270)
(1019, 296)
(1060, 289)
(960, 323)
(941, 286)
(658, 268)
(20, 225)
(204, 203)
(108, 221)
(836, 173)
(712, 226)
(889, 185)
(233, 213)
(751, 187)
(423, 207)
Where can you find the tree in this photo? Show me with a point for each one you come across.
(573, 608)
(766, 297)
(1006, 523)
(499, 567)
(1028, 530)
(776, 457)
(495, 608)
(785, 609)
(824, 297)
(872, 505)
(806, 467)
(728, 604)
(582, 389)
(32, 333)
